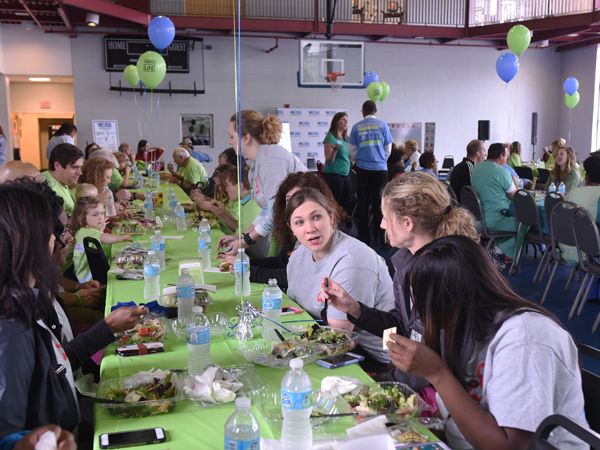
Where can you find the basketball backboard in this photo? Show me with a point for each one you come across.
(320, 57)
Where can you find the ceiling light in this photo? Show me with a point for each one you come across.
(38, 79)
(21, 13)
(573, 35)
(544, 43)
(92, 19)
(27, 25)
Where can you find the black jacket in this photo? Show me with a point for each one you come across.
(461, 176)
(401, 316)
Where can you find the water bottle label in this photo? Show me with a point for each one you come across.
(158, 247)
(180, 214)
(147, 205)
(237, 267)
(198, 337)
(233, 444)
(270, 304)
(152, 269)
(203, 245)
(296, 400)
(186, 292)
(173, 204)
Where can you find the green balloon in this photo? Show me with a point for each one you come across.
(152, 69)
(518, 39)
(374, 91)
(571, 100)
(131, 75)
(191, 129)
(385, 90)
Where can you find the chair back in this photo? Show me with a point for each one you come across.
(543, 175)
(587, 238)
(539, 440)
(96, 259)
(448, 162)
(452, 193)
(561, 220)
(470, 200)
(552, 199)
(591, 392)
(527, 211)
(524, 172)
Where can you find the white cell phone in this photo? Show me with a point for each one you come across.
(131, 438)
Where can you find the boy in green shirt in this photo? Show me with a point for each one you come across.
(229, 215)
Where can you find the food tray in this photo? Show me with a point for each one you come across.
(257, 353)
(169, 302)
(420, 404)
(244, 373)
(171, 220)
(219, 326)
(326, 350)
(141, 335)
(137, 409)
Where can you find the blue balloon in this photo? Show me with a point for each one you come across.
(571, 85)
(507, 66)
(161, 31)
(371, 77)
(193, 121)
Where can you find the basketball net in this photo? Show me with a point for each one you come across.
(336, 79)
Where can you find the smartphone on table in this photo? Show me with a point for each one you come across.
(333, 362)
(131, 438)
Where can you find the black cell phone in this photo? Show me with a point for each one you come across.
(141, 349)
(333, 362)
(130, 276)
(131, 438)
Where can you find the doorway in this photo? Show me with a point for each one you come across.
(47, 128)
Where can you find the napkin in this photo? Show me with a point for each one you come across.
(341, 385)
(216, 270)
(47, 441)
(381, 441)
(207, 388)
(173, 237)
(371, 427)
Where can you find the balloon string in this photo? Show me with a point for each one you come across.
(516, 97)
(507, 107)
(137, 112)
(570, 111)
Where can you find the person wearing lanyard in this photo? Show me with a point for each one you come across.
(416, 210)
(336, 172)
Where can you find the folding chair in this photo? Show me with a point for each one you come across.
(452, 194)
(527, 213)
(524, 172)
(591, 392)
(539, 441)
(96, 259)
(587, 241)
(447, 166)
(552, 199)
(542, 179)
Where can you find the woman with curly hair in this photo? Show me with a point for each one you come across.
(565, 170)
(257, 139)
(97, 171)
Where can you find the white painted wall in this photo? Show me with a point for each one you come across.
(451, 86)
(27, 97)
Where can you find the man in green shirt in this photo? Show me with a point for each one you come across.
(190, 173)
(64, 171)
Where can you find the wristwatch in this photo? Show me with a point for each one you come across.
(248, 239)
(77, 287)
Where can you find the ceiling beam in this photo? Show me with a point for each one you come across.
(111, 9)
(578, 44)
(32, 15)
(64, 16)
(544, 35)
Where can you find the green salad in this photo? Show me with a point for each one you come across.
(379, 400)
(320, 335)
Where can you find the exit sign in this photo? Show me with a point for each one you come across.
(45, 105)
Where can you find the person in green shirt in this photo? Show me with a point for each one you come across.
(64, 172)
(515, 155)
(565, 170)
(336, 172)
(190, 173)
(229, 216)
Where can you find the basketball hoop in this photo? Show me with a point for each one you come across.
(337, 80)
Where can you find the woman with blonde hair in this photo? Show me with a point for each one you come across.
(257, 139)
(565, 170)
(417, 209)
(515, 155)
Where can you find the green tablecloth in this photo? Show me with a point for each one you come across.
(190, 426)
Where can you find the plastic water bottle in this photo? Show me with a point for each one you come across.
(151, 277)
(241, 429)
(110, 206)
(180, 215)
(198, 341)
(148, 211)
(186, 295)
(158, 245)
(271, 306)
(552, 187)
(520, 184)
(241, 266)
(296, 407)
(204, 247)
(562, 188)
(172, 201)
(140, 180)
(204, 226)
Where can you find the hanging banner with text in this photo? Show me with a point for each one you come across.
(122, 51)
(106, 134)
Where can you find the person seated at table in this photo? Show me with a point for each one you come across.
(123, 170)
(11, 170)
(411, 152)
(428, 163)
(202, 157)
(416, 210)
(515, 155)
(34, 391)
(214, 190)
(116, 183)
(144, 153)
(550, 152)
(496, 189)
(85, 190)
(263, 269)
(325, 251)
(125, 149)
(228, 156)
(258, 140)
(64, 170)
(395, 162)
(499, 363)
(565, 170)
(461, 174)
(89, 149)
(88, 220)
(191, 173)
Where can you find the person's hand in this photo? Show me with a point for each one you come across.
(125, 318)
(415, 358)
(414, 165)
(170, 167)
(163, 176)
(124, 215)
(217, 208)
(229, 259)
(173, 180)
(90, 285)
(127, 170)
(125, 238)
(226, 241)
(123, 203)
(64, 439)
(103, 198)
(339, 298)
(123, 194)
(204, 204)
(90, 297)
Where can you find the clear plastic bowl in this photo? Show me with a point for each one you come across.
(259, 353)
(219, 325)
(326, 350)
(132, 337)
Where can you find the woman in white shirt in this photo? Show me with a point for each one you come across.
(64, 134)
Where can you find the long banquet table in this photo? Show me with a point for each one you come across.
(189, 426)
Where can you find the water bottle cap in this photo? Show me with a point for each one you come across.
(185, 271)
(197, 309)
(272, 281)
(296, 363)
(151, 252)
(243, 404)
(205, 220)
(240, 250)
(157, 232)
